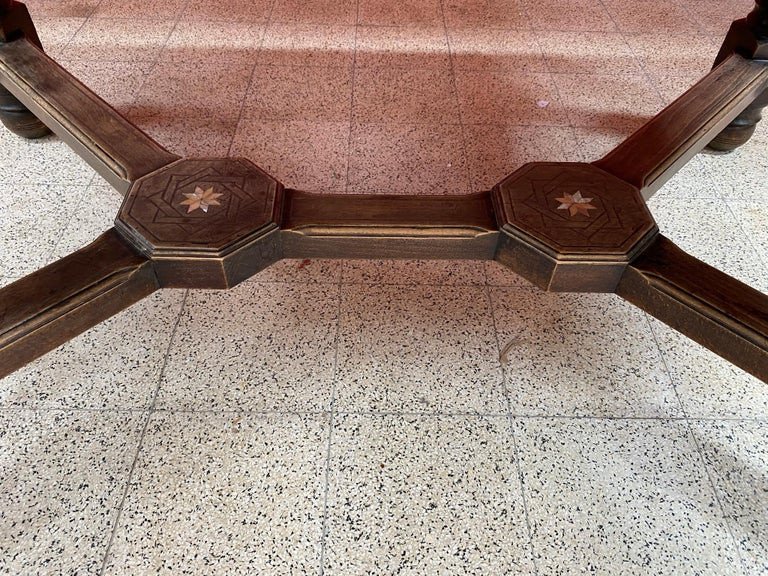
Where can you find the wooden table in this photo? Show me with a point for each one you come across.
(192, 223)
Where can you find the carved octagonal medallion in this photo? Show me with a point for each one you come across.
(200, 209)
(570, 225)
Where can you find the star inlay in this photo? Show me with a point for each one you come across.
(575, 204)
(201, 199)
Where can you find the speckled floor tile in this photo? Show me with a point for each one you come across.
(429, 272)
(315, 11)
(716, 17)
(303, 155)
(395, 481)
(741, 174)
(736, 454)
(256, 347)
(707, 385)
(62, 475)
(251, 11)
(633, 99)
(44, 161)
(594, 142)
(752, 217)
(585, 15)
(287, 44)
(116, 82)
(114, 365)
(31, 223)
(579, 52)
(222, 494)
(651, 16)
(626, 497)
(498, 275)
(512, 98)
(420, 349)
(403, 13)
(673, 85)
(496, 14)
(405, 95)
(708, 230)
(307, 270)
(691, 182)
(399, 46)
(165, 10)
(494, 151)
(233, 43)
(184, 133)
(662, 54)
(499, 50)
(119, 40)
(580, 355)
(407, 159)
(61, 8)
(54, 32)
(300, 93)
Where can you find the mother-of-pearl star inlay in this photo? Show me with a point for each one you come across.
(201, 199)
(575, 204)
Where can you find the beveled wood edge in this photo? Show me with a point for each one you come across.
(703, 303)
(54, 304)
(658, 149)
(115, 148)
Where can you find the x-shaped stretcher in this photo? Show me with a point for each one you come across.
(212, 223)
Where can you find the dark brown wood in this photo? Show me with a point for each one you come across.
(749, 38)
(388, 226)
(16, 23)
(113, 146)
(58, 302)
(710, 307)
(657, 150)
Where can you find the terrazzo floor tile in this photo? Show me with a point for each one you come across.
(418, 495)
(288, 44)
(584, 15)
(405, 96)
(409, 272)
(708, 386)
(304, 155)
(662, 54)
(496, 14)
(184, 133)
(300, 93)
(580, 355)
(740, 174)
(579, 52)
(594, 142)
(258, 346)
(165, 10)
(54, 33)
(422, 349)
(716, 17)
(651, 15)
(736, 454)
(44, 161)
(519, 99)
(220, 494)
(234, 43)
(626, 497)
(402, 47)
(307, 270)
(251, 11)
(315, 11)
(494, 151)
(31, 223)
(119, 40)
(403, 13)
(752, 218)
(633, 99)
(62, 475)
(407, 159)
(114, 365)
(497, 50)
(498, 275)
(116, 82)
(61, 8)
(711, 233)
(692, 182)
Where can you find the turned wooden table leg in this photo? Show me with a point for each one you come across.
(748, 37)
(16, 23)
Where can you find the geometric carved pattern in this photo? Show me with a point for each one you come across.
(156, 210)
(532, 199)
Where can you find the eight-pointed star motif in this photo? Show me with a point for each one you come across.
(201, 199)
(575, 204)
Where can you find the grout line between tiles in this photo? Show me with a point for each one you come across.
(149, 412)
